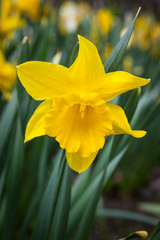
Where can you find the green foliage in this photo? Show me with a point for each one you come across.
(41, 198)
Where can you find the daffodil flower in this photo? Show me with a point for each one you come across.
(75, 110)
(7, 76)
(9, 21)
(30, 7)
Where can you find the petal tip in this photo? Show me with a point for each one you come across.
(138, 133)
(79, 37)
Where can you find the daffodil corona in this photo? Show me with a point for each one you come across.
(75, 110)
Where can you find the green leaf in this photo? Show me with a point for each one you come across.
(28, 216)
(89, 213)
(74, 53)
(152, 113)
(153, 208)
(49, 200)
(116, 213)
(86, 221)
(14, 181)
(43, 38)
(24, 51)
(116, 56)
(103, 157)
(79, 186)
(78, 208)
(42, 177)
(156, 233)
(61, 213)
(23, 97)
(156, 237)
(114, 163)
(132, 103)
(42, 171)
(6, 120)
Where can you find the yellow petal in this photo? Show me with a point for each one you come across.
(79, 124)
(121, 124)
(119, 82)
(78, 163)
(35, 126)
(87, 70)
(44, 80)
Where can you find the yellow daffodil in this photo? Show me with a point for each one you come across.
(9, 20)
(29, 7)
(7, 76)
(75, 110)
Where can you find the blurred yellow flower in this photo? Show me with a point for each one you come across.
(128, 63)
(155, 40)
(9, 19)
(7, 76)
(105, 20)
(142, 31)
(31, 8)
(107, 51)
(75, 111)
(155, 33)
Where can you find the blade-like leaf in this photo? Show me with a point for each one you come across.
(74, 53)
(113, 164)
(132, 103)
(103, 157)
(116, 56)
(61, 213)
(6, 120)
(153, 208)
(79, 186)
(156, 233)
(42, 176)
(24, 51)
(49, 200)
(89, 213)
(14, 181)
(116, 213)
(23, 97)
(78, 208)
